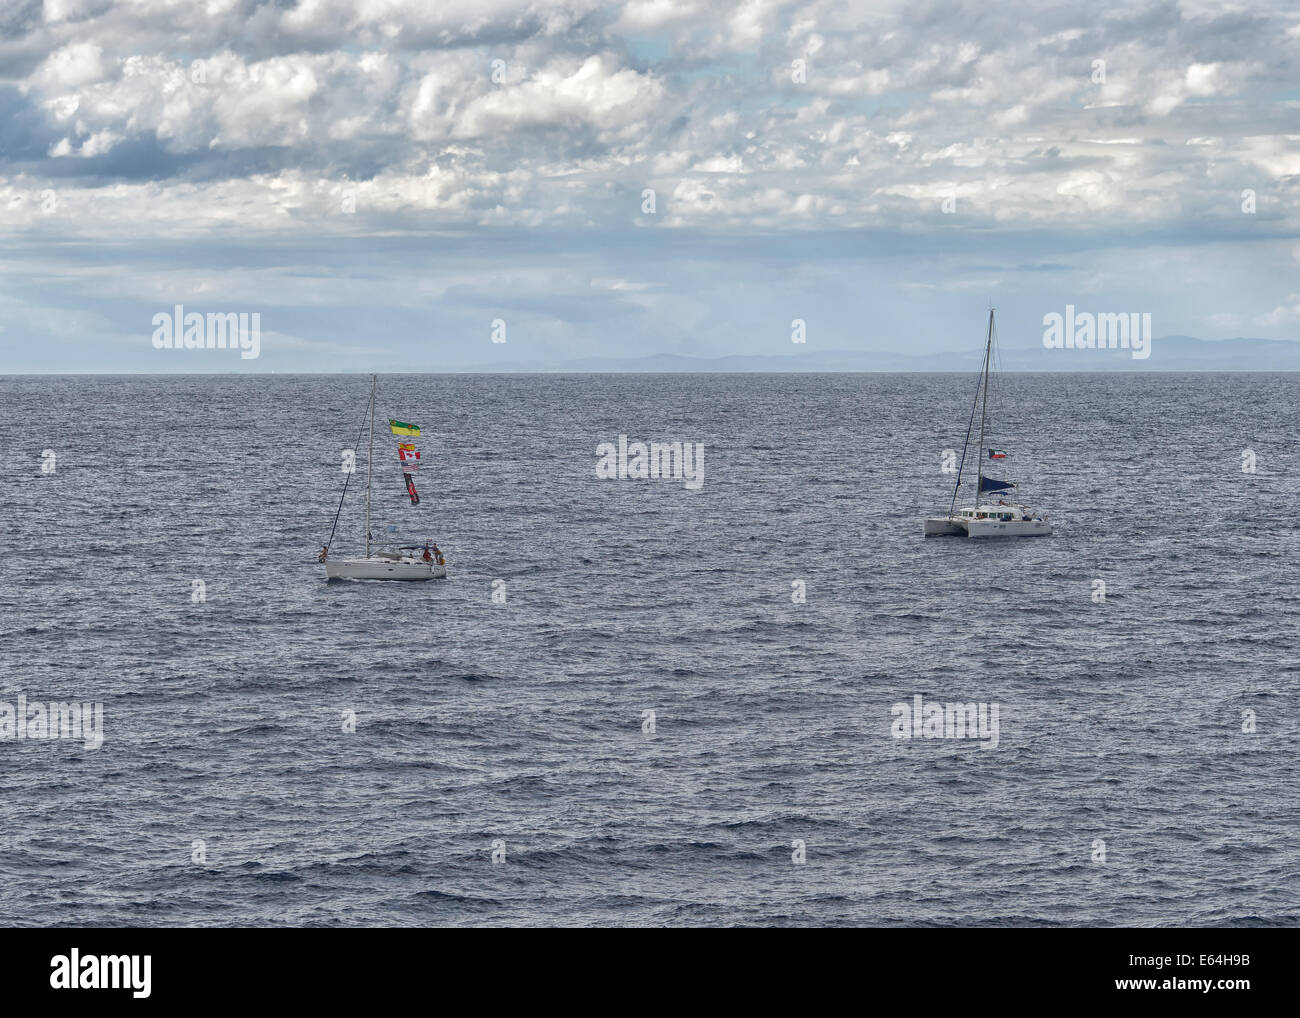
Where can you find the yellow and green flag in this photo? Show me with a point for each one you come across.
(402, 428)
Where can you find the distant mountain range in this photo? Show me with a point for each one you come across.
(1168, 353)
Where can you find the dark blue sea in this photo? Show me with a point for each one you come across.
(1145, 772)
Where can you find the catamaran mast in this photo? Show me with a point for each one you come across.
(984, 412)
(370, 461)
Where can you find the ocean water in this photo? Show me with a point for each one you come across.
(521, 724)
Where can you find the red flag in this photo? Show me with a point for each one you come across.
(409, 456)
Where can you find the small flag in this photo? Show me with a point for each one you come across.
(410, 489)
(997, 454)
(409, 455)
(402, 428)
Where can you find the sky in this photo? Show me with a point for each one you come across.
(383, 180)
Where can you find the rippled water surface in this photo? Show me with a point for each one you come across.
(1120, 722)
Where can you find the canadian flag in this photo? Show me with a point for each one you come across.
(409, 456)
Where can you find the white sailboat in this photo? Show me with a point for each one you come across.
(987, 517)
(408, 562)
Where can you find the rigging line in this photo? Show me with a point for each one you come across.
(995, 368)
(345, 484)
(984, 413)
(957, 487)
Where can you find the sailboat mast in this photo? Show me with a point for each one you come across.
(984, 412)
(370, 461)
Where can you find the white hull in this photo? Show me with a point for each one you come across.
(951, 526)
(1008, 528)
(383, 569)
(944, 526)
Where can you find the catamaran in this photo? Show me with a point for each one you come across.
(986, 518)
(406, 562)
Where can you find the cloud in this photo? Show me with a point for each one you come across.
(543, 112)
(651, 15)
(70, 67)
(1284, 314)
(1052, 130)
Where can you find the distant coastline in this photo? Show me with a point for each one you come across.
(1169, 354)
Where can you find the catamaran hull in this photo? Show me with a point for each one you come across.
(947, 527)
(382, 569)
(1008, 528)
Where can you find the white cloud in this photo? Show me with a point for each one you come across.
(650, 15)
(72, 66)
(1286, 313)
(997, 106)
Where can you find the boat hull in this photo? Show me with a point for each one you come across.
(383, 569)
(1008, 528)
(947, 526)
